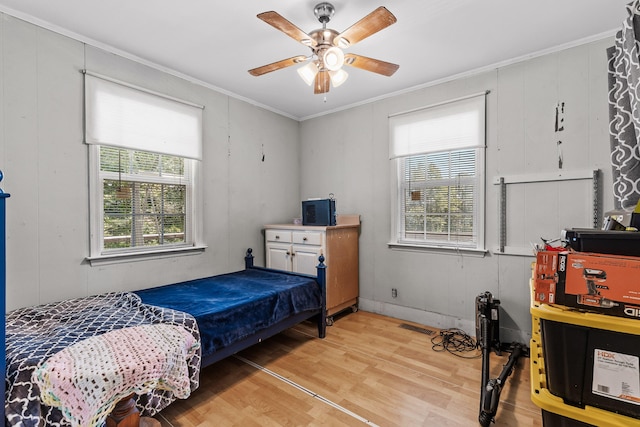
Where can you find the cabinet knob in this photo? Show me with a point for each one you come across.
(288, 253)
(277, 237)
(304, 239)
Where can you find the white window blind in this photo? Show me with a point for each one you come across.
(451, 126)
(123, 116)
(438, 152)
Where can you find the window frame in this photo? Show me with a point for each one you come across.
(193, 219)
(398, 185)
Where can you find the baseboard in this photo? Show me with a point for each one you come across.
(436, 320)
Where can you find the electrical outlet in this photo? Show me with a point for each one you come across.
(394, 293)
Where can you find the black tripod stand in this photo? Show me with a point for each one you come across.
(487, 336)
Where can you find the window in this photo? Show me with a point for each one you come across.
(438, 154)
(144, 154)
(144, 197)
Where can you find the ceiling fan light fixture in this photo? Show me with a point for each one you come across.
(333, 58)
(338, 77)
(308, 72)
(325, 67)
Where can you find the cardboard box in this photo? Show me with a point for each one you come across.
(607, 284)
(546, 277)
(549, 277)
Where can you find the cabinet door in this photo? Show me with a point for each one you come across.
(305, 259)
(278, 256)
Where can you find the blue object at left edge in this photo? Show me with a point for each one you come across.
(3, 276)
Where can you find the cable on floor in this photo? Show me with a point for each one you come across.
(456, 342)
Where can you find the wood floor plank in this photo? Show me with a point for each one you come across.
(368, 370)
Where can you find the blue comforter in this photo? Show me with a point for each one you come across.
(231, 307)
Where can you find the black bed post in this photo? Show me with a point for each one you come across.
(3, 287)
(248, 259)
(322, 281)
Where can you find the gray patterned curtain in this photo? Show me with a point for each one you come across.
(624, 110)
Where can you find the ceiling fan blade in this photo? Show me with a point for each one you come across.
(322, 82)
(277, 65)
(278, 22)
(370, 64)
(377, 20)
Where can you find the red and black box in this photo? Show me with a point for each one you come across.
(603, 283)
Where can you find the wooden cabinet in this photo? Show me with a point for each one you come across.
(296, 248)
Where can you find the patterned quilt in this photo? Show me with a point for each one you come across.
(35, 334)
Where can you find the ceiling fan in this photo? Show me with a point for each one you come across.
(326, 44)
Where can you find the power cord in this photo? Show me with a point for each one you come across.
(456, 342)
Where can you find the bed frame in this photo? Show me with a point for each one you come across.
(320, 316)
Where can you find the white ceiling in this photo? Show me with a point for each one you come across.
(216, 42)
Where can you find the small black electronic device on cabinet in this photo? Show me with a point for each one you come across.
(319, 212)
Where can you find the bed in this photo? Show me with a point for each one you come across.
(225, 313)
(237, 310)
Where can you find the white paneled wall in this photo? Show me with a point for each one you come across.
(45, 163)
(440, 288)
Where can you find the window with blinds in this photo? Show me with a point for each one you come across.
(144, 152)
(144, 198)
(439, 156)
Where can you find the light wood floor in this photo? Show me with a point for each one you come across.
(367, 371)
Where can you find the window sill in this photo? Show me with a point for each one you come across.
(142, 256)
(448, 250)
